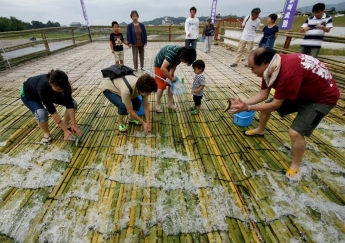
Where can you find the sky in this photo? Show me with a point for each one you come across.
(103, 12)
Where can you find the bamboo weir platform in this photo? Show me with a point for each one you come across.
(193, 179)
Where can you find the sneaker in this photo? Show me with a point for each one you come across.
(195, 112)
(136, 122)
(233, 65)
(122, 128)
(192, 108)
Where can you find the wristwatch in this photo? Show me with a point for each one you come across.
(249, 107)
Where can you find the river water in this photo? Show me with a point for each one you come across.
(34, 48)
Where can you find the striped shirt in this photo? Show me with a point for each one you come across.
(199, 80)
(314, 37)
(168, 53)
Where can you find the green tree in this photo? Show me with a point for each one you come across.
(12, 24)
(37, 24)
(332, 10)
(5, 24)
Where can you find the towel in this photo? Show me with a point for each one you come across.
(272, 71)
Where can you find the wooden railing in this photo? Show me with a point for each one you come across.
(76, 36)
(41, 37)
(72, 36)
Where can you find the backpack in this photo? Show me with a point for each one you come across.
(246, 22)
(117, 71)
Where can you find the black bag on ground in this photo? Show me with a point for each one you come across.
(116, 71)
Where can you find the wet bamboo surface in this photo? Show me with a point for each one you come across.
(193, 179)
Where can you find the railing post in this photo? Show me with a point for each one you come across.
(287, 42)
(169, 33)
(217, 31)
(44, 38)
(72, 34)
(90, 37)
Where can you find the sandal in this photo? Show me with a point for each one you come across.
(228, 105)
(159, 109)
(195, 112)
(136, 122)
(46, 140)
(172, 107)
(250, 133)
(291, 174)
(192, 108)
(122, 128)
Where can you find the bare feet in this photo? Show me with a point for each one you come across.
(172, 107)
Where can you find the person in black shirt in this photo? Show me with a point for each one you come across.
(47, 89)
(116, 46)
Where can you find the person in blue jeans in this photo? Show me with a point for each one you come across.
(40, 93)
(123, 92)
(270, 32)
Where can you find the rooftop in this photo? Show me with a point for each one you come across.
(193, 179)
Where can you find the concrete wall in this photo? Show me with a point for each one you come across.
(236, 34)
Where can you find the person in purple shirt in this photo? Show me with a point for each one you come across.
(270, 32)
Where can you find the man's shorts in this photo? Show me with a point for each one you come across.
(160, 83)
(308, 115)
(118, 55)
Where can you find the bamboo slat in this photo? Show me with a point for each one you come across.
(132, 187)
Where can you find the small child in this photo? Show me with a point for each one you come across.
(207, 34)
(116, 40)
(198, 85)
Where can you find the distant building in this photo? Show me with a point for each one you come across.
(167, 21)
(74, 24)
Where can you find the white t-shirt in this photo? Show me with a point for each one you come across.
(192, 26)
(250, 28)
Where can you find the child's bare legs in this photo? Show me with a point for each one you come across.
(121, 62)
(159, 96)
